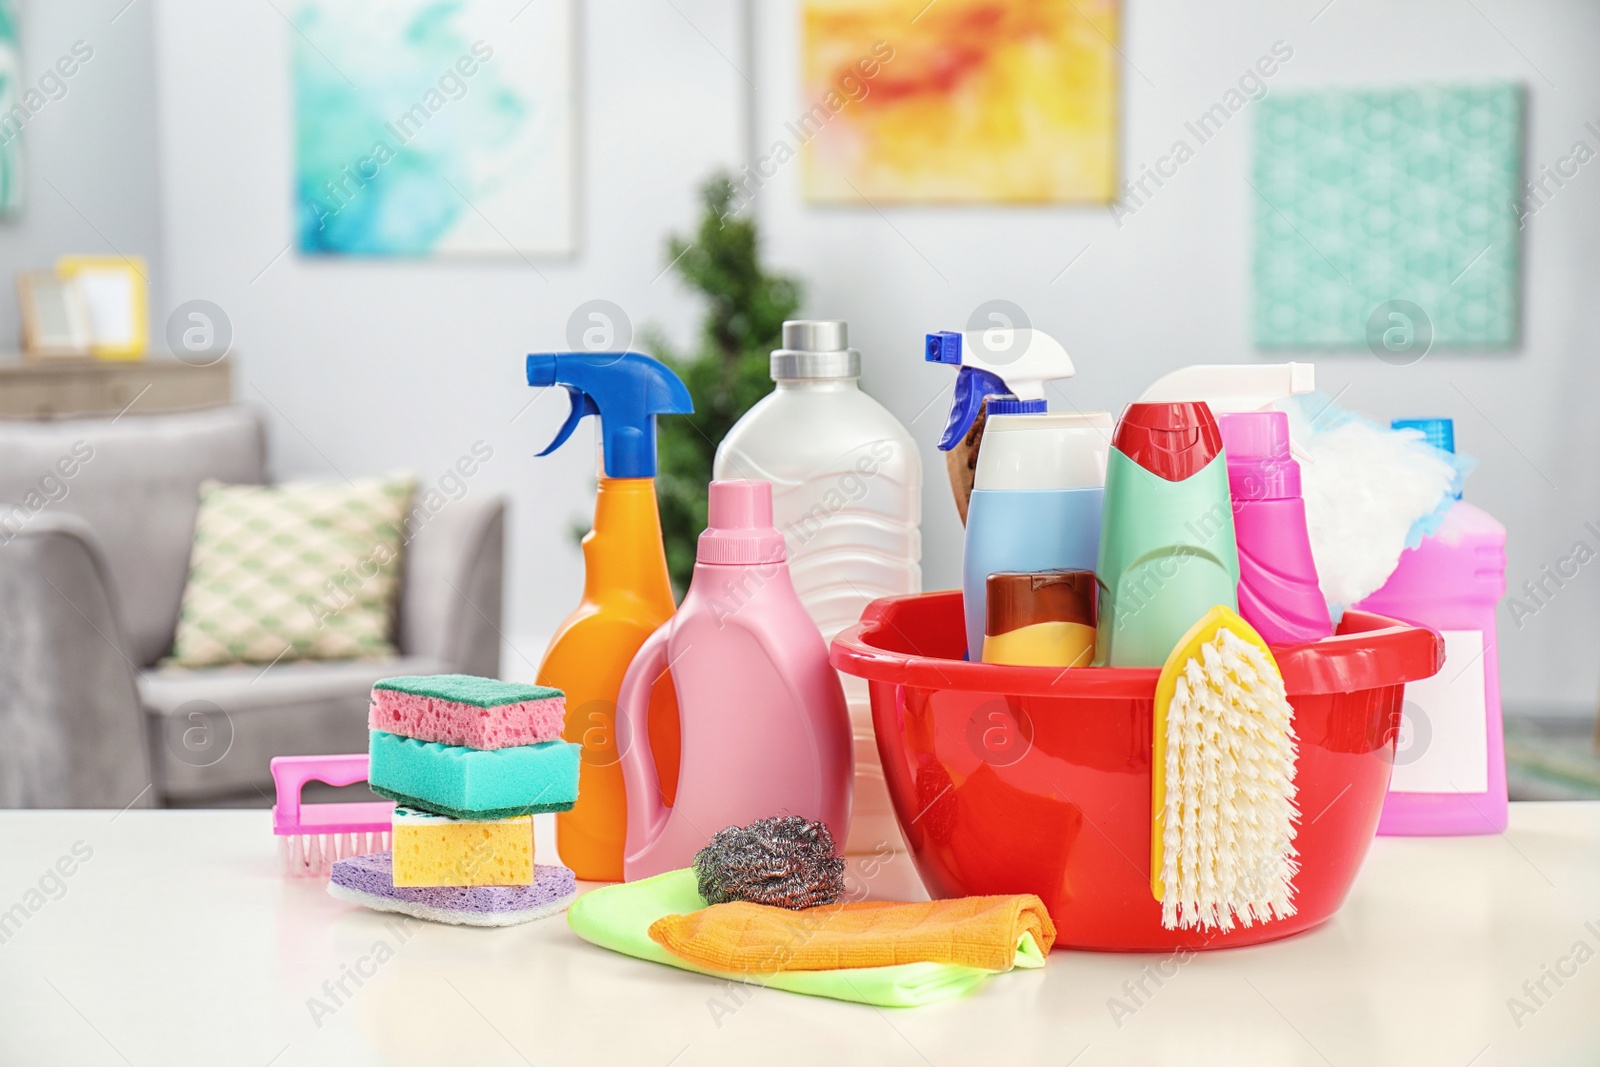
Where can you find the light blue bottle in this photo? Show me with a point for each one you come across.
(1036, 498)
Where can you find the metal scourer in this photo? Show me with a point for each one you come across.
(783, 861)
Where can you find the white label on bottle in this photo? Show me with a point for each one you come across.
(1444, 726)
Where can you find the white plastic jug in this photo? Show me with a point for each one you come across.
(847, 495)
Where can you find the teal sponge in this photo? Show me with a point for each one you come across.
(469, 783)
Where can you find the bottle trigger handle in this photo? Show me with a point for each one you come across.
(973, 386)
(582, 404)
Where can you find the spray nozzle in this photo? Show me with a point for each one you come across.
(1008, 363)
(1228, 387)
(944, 347)
(626, 390)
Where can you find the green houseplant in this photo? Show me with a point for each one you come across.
(727, 372)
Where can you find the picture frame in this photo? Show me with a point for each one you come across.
(55, 318)
(461, 142)
(116, 293)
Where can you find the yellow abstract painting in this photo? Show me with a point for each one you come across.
(959, 101)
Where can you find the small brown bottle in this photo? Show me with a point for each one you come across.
(1043, 619)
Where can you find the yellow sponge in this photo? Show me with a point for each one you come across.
(434, 850)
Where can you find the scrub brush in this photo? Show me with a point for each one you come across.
(1222, 781)
(312, 836)
(784, 861)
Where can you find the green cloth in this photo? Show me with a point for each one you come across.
(467, 689)
(618, 917)
(1388, 219)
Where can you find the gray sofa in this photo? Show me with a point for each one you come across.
(96, 519)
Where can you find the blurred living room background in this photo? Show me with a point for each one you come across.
(311, 241)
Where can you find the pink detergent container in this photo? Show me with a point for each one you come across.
(1450, 764)
(1278, 591)
(764, 725)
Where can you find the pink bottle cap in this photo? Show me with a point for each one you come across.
(1259, 464)
(740, 529)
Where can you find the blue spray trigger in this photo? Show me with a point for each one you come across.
(627, 390)
(582, 404)
(973, 386)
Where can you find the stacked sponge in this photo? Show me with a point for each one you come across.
(468, 761)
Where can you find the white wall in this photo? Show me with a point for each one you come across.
(367, 366)
(89, 154)
(371, 366)
(1171, 285)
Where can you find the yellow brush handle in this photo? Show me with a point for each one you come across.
(1187, 648)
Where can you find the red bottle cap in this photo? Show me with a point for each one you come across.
(1173, 441)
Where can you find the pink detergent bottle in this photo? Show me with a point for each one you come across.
(765, 730)
(1450, 764)
(1278, 591)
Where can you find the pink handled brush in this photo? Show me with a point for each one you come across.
(312, 836)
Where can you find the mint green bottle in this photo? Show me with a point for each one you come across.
(1167, 548)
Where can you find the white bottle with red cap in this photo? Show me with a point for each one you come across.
(763, 721)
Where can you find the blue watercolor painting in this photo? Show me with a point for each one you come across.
(12, 117)
(434, 127)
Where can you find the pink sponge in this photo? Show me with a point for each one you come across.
(459, 709)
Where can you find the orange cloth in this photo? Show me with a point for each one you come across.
(971, 931)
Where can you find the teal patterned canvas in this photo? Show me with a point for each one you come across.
(1369, 200)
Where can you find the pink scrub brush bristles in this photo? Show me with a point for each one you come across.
(313, 855)
(311, 837)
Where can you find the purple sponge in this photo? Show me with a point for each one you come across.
(369, 881)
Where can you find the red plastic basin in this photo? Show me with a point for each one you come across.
(1034, 780)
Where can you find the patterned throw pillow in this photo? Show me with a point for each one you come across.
(298, 571)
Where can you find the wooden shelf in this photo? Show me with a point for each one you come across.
(56, 388)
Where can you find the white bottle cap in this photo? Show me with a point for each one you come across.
(1044, 451)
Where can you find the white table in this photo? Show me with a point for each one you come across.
(177, 942)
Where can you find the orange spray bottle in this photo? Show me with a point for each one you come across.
(626, 595)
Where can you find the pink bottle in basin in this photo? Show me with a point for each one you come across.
(1450, 763)
(1278, 590)
(765, 730)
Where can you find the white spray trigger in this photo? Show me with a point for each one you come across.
(1232, 387)
(1022, 358)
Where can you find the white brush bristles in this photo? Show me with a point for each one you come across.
(1230, 814)
(313, 855)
